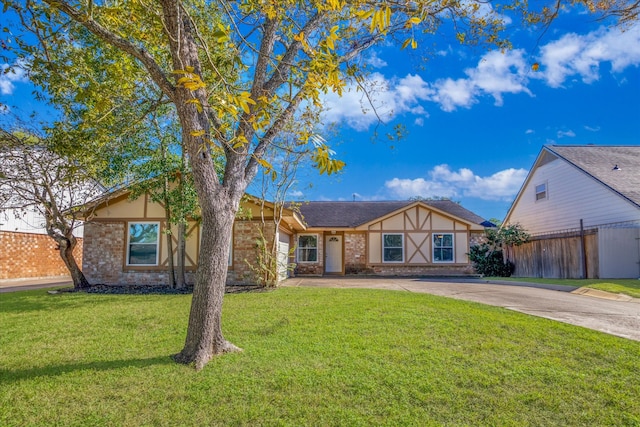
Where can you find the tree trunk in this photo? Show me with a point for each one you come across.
(181, 281)
(204, 334)
(66, 246)
(218, 202)
(172, 268)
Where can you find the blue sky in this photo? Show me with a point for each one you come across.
(476, 119)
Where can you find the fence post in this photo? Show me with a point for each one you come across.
(583, 246)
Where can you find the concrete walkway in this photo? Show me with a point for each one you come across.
(12, 285)
(599, 311)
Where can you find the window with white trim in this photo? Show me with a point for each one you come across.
(443, 247)
(541, 191)
(143, 240)
(308, 248)
(393, 248)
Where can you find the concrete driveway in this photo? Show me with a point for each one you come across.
(601, 311)
(13, 285)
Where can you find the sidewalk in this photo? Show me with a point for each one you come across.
(12, 285)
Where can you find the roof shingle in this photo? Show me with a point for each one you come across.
(600, 161)
(354, 214)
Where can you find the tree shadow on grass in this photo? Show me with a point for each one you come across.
(10, 376)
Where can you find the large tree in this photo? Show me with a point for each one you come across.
(278, 57)
(34, 178)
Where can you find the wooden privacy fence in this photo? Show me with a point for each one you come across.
(557, 256)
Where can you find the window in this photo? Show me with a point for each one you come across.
(392, 248)
(442, 247)
(142, 243)
(308, 248)
(541, 191)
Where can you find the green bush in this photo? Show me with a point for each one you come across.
(487, 258)
(489, 262)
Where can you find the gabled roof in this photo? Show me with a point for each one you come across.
(354, 214)
(600, 163)
(597, 161)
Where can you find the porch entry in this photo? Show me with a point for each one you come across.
(333, 253)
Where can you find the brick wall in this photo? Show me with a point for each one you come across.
(477, 238)
(311, 268)
(355, 261)
(422, 270)
(105, 251)
(355, 254)
(27, 255)
(245, 250)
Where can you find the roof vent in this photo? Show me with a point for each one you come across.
(616, 168)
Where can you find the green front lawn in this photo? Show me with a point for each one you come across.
(318, 357)
(629, 287)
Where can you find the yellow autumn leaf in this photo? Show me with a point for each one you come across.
(197, 103)
(197, 133)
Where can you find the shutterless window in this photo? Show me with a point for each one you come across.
(541, 191)
(442, 247)
(308, 248)
(142, 243)
(392, 247)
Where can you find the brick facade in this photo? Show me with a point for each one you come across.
(245, 251)
(28, 255)
(355, 254)
(105, 252)
(311, 268)
(104, 258)
(355, 261)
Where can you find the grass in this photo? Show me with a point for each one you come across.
(318, 357)
(630, 287)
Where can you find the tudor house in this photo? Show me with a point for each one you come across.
(125, 240)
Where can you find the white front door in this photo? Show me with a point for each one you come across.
(283, 258)
(333, 253)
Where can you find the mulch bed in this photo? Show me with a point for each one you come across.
(158, 289)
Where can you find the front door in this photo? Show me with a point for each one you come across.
(333, 253)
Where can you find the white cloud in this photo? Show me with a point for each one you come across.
(10, 75)
(582, 55)
(529, 131)
(389, 98)
(496, 74)
(443, 182)
(569, 133)
(375, 61)
(592, 129)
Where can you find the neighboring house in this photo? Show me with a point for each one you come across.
(26, 251)
(581, 204)
(125, 241)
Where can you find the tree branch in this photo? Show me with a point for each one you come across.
(156, 73)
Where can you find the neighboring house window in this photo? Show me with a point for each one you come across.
(142, 243)
(308, 248)
(442, 247)
(393, 248)
(541, 191)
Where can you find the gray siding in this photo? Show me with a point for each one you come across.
(571, 195)
(619, 253)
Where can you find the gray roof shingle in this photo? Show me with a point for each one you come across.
(354, 214)
(599, 162)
